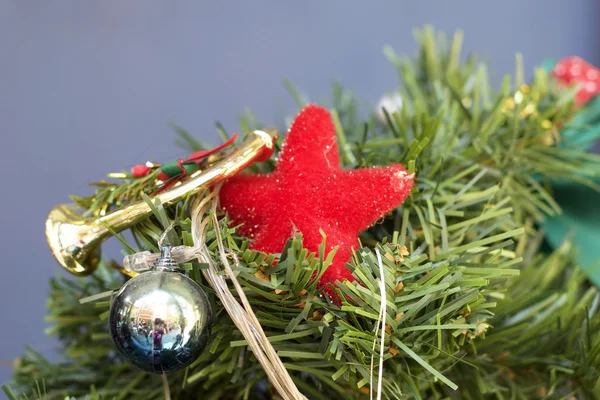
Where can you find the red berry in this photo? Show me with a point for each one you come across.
(575, 70)
(163, 177)
(140, 170)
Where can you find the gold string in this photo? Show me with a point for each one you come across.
(204, 211)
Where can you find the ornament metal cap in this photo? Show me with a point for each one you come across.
(166, 262)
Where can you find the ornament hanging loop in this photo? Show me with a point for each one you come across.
(165, 234)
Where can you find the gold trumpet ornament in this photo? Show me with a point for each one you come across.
(75, 240)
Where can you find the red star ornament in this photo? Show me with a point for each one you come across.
(309, 191)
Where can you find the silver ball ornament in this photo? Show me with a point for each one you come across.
(160, 321)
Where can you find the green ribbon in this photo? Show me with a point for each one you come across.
(172, 169)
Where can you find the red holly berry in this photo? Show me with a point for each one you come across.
(140, 170)
(575, 70)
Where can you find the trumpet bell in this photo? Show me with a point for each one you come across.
(66, 234)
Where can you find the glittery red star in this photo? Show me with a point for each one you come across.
(309, 191)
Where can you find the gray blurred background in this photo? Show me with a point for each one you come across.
(87, 88)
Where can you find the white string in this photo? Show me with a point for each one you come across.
(381, 319)
(242, 315)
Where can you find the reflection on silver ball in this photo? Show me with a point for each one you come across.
(160, 321)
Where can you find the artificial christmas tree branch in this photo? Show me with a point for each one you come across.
(475, 308)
